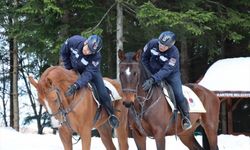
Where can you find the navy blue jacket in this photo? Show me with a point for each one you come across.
(73, 58)
(161, 64)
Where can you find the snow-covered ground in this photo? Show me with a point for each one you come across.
(27, 140)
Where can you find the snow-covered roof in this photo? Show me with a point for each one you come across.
(229, 77)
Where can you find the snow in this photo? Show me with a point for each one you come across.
(13, 140)
(231, 74)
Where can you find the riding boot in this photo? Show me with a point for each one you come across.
(184, 108)
(113, 120)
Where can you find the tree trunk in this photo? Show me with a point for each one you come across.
(4, 81)
(32, 101)
(184, 60)
(14, 84)
(110, 67)
(11, 83)
(119, 35)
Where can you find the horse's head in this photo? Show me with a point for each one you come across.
(50, 88)
(129, 75)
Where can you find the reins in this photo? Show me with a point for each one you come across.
(64, 111)
(138, 116)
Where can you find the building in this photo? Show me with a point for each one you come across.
(230, 80)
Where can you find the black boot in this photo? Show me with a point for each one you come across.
(184, 108)
(113, 120)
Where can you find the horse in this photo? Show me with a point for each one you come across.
(76, 114)
(151, 116)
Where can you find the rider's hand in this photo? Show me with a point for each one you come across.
(72, 89)
(148, 84)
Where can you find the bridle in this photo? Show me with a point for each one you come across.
(141, 99)
(130, 90)
(63, 112)
(138, 116)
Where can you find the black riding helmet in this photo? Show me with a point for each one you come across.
(94, 43)
(167, 38)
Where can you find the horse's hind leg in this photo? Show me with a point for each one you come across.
(105, 132)
(211, 133)
(210, 122)
(66, 138)
(189, 140)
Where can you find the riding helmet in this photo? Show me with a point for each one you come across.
(167, 38)
(94, 43)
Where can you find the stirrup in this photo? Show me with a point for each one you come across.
(113, 121)
(186, 125)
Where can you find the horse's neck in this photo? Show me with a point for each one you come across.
(144, 74)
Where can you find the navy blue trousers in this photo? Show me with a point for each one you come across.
(175, 81)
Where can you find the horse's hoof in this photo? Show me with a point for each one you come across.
(113, 121)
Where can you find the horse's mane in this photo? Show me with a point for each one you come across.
(145, 73)
(58, 73)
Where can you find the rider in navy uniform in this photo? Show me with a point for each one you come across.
(83, 55)
(161, 58)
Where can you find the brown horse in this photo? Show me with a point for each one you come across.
(152, 116)
(75, 114)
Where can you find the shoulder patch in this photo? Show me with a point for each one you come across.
(74, 51)
(154, 52)
(163, 58)
(95, 63)
(172, 62)
(85, 62)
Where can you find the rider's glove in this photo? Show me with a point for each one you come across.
(148, 84)
(72, 89)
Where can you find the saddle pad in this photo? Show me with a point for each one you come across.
(114, 93)
(194, 102)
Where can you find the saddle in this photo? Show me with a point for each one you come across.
(194, 102)
(112, 91)
(114, 95)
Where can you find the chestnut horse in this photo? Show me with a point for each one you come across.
(151, 115)
(75, 114)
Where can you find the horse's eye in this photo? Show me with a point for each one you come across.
(135, 73)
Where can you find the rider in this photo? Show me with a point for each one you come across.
(161, 58)
(83, 55)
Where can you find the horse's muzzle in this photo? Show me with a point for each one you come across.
(127, 104)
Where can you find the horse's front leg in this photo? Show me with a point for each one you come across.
(66, 137)
(85, 135)
(160, 143)
(159, 137)
(140, 140)
(105, 132)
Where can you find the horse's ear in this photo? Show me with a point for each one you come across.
(137, 55)
(121, 55)
(49, 81)
(33, 82)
